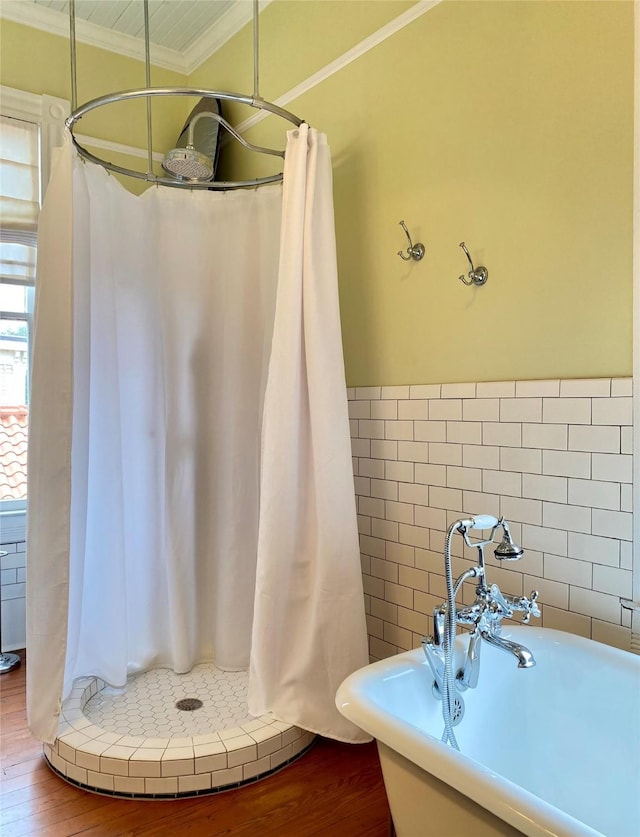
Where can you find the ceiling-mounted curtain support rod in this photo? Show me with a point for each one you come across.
(256, 39)
(72, 44)
(147, 68)
(148, 92)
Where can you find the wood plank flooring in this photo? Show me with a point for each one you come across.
(334, 790)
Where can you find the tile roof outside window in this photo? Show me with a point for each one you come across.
(13, 453)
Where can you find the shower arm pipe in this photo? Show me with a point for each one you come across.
(222, 121)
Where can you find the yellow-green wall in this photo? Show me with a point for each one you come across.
(508, 125)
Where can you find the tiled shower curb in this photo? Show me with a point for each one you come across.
(94, 759)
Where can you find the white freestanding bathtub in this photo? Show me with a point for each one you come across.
(551, 750)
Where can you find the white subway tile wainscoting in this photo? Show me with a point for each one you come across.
(554, 457)
(13, 578)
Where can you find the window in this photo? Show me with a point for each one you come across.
(31, 126)
(19, 207)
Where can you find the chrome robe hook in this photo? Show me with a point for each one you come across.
(477, 275)
(414, 251)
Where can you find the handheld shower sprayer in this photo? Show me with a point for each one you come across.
(480, 521)
(507, 549)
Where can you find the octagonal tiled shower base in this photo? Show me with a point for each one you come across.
(138, 744)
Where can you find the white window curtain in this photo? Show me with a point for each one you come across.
(153, 349)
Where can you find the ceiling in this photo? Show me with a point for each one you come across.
(182, 33)
(175, 24)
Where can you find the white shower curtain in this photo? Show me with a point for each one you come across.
(308, 627)
(155, 318)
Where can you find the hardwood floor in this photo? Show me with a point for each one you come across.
(334, 790)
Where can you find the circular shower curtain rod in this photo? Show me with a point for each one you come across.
(148, 92)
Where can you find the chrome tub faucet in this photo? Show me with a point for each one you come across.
(483, 617)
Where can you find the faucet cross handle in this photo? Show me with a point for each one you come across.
(530, 606)
(496, 596)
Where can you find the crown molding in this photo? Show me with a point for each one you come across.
(57, 23)
(227, 25)
(377, 37)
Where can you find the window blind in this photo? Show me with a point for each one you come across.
(19, 200)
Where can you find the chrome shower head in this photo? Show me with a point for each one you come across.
(507, 550)
(188, 164)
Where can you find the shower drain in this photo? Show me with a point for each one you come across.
(188, 704)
